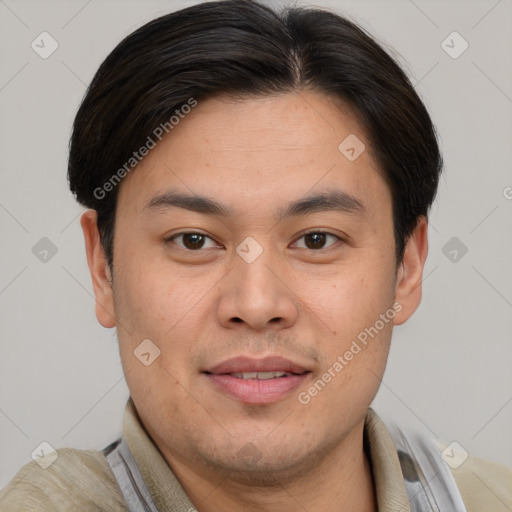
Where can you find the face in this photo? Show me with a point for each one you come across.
(287, 264)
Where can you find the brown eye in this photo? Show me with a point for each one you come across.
(191, 241)
(317, 239)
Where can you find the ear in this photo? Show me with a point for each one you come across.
(100, 272)
(410, 273)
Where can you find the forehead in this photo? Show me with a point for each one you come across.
(264, 146)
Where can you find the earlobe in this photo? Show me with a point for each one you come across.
(99, 270)
(410, 273)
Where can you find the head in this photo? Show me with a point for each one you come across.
(258, 185)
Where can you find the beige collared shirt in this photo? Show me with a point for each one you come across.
(82, 480)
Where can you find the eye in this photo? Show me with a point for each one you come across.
(317, 239)
(191, 241)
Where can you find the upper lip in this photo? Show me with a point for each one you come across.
(251, 364)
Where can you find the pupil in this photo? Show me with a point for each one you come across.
(193, 240)
(318, 240)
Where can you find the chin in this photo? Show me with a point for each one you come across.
(267, 466)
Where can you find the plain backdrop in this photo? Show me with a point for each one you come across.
(449, 371)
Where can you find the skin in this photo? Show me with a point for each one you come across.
(203, 306)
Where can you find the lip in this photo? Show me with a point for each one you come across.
(251, 364)
(255, 391)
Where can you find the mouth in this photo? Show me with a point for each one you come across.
(257, 381)
(260, 375)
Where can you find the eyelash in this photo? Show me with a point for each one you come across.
(314, 231)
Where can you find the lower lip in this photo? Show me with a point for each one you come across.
(255, 391)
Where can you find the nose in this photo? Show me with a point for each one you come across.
(257, 294)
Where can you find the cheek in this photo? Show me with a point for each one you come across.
(352, 372)
(356, 313)
(145, 294)
(151, 305)
(153, 344)
(348, 301)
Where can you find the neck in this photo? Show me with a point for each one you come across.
(340, 481)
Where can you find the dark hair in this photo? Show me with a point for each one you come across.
(242, 48)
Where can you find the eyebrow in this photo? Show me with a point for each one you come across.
(332, 200)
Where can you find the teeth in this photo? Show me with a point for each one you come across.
(259, 375)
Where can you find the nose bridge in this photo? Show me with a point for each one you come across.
(256, 284)
(256, 293)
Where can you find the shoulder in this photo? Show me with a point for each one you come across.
(75, 480)
(484, 485)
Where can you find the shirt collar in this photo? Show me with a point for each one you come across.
(168, 493)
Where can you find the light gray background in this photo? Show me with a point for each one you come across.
(449, 369)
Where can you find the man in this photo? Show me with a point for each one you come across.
(258, 187)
